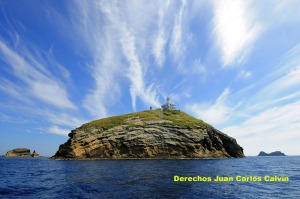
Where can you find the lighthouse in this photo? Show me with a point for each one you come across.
(168, 105)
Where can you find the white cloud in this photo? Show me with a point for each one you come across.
(98, 44)
(41, 84)
(285, 11)
(63, 119)
(271, 129)
(199, 67)
(104, 71)
(60, 69)
(36, 81)
(135, 73)
(176, 46)
(36, 115)
(243, 74)
(114, 35)
(14, 91)
(271, 108)
(161, 36)
(58, 131)
(158, 48)
(214, 113)
(235, 28)
(278, 87)
(290, 79)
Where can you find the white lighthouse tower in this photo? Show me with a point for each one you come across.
(168, 105)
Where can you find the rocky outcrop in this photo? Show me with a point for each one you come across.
(149, 134)
(21, 152)
(35, 155)
(18, 152)
(275, 153)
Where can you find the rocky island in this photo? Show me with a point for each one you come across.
(153, 134)
(21, 152)
(275, 153)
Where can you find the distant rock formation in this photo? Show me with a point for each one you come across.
(35, 155)
(18, 152)
(275, 153)
(155, 134)
(21, 152)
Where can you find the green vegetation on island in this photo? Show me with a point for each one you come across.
(21, 150)
(170, 117)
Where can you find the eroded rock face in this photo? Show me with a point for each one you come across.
(18, 152)
(21, 152)
(148, 139)
(35, 155)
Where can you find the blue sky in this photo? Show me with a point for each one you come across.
(233, 64)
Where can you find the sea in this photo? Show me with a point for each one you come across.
(250, 177)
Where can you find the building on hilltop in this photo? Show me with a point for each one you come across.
(168, 105)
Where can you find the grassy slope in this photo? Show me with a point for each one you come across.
(21, 150)
(176, 118)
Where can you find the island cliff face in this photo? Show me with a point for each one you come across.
(149, 134)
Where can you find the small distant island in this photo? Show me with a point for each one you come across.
(21, 152)
(275, 153)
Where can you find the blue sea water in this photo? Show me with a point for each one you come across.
(43, 178)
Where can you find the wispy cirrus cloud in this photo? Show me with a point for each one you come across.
(279, 126)
(273, 120)
(99, 29)
(244, 74)
(270, 108)
(99, 46)
(35, 78)
(265, 110)
(215, 113)
(135, 71)
(37, 115)
(13, 90)
(277, 88)
(63, 119)
(39, 82)
(104, 70)
(236, 28)
(177, 46)
(285, 11)
(110, 64)
(161, 36)
(58, 131)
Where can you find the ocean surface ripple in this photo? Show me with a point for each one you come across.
(43, 178)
